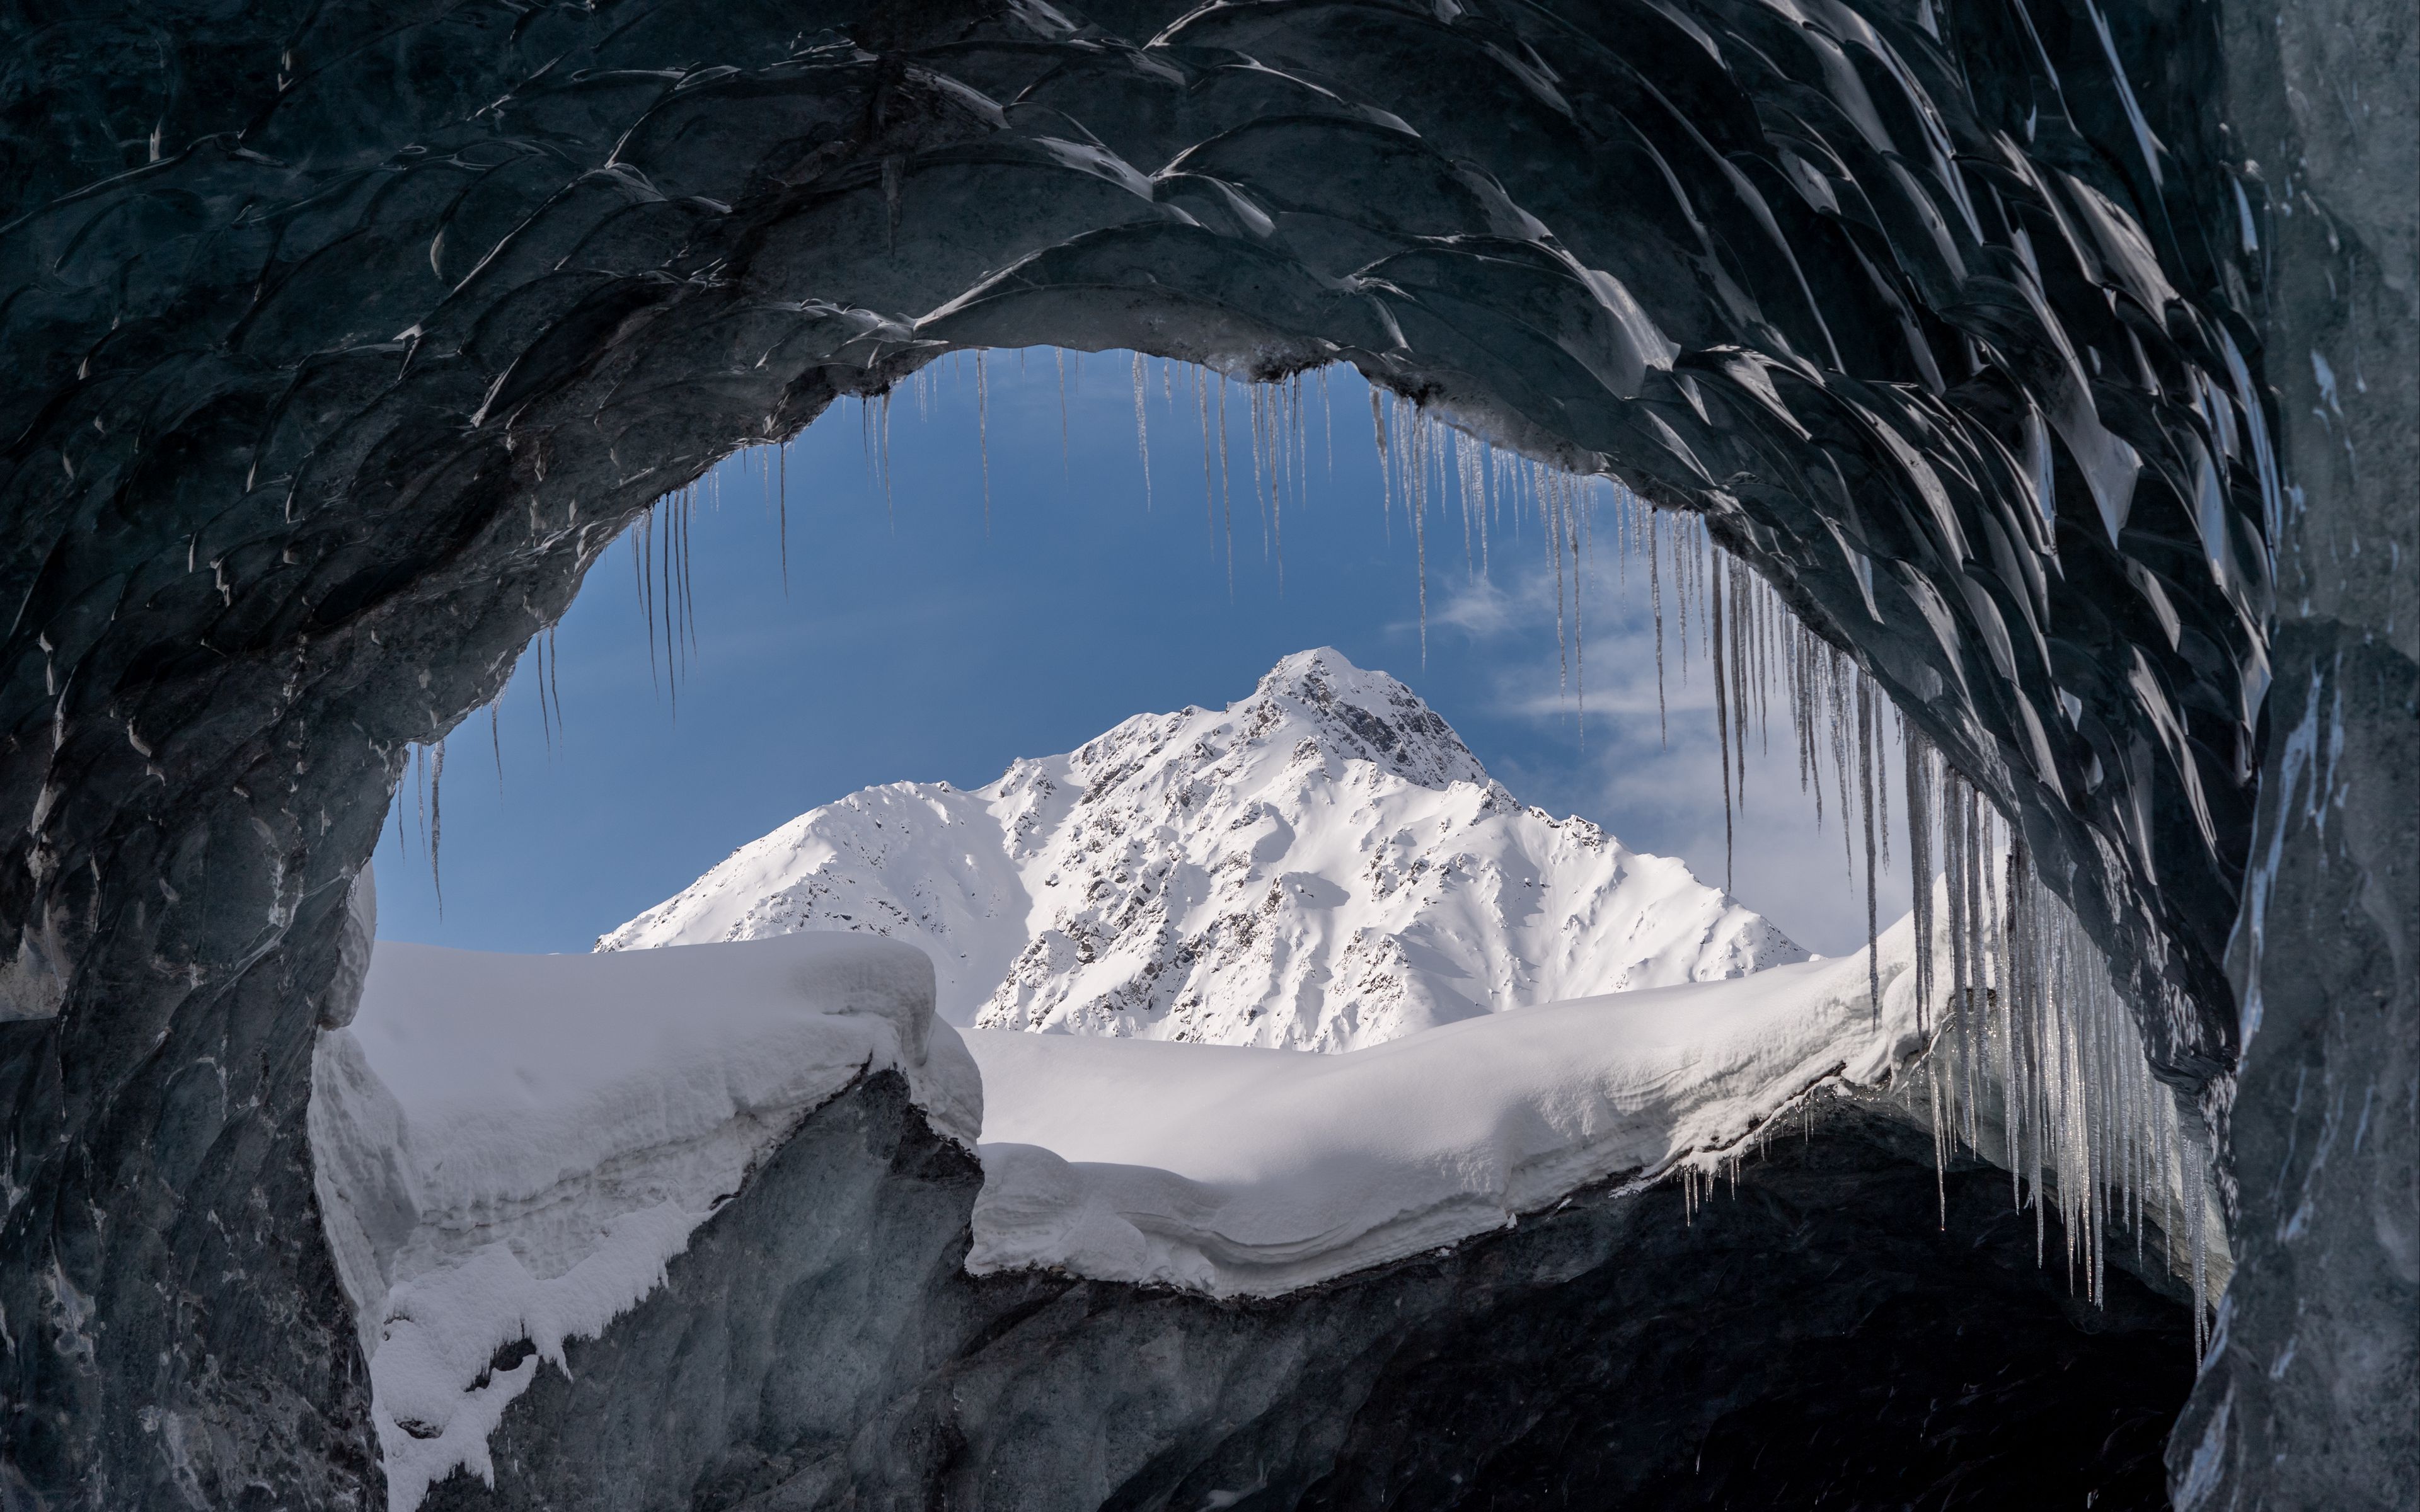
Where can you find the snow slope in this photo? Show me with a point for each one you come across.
(1323, 865)
(509, 1149)
(1240, 1171)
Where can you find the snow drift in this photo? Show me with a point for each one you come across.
(508, 1149)
(1239, 1171)
(1323, 865)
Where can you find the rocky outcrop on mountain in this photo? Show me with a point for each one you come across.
(1321, 865)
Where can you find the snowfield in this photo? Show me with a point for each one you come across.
(1323, 865)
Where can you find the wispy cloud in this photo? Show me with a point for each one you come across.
(1658, 783)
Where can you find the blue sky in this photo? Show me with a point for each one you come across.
(914, 642)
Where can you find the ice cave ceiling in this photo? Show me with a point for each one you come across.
(343, 339)
(1936, 328)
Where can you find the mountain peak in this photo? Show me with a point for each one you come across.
(1359, 714)
(1322, 864)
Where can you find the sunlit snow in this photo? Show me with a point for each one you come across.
(1322, 865)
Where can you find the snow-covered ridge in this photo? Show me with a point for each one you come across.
(1322, 865)
(1237, 1171)
(509, 1149)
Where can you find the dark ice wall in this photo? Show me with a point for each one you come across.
(2308, 1399)
(1815, 1336)
(342, 339)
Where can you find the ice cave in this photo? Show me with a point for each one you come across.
(2030, 387)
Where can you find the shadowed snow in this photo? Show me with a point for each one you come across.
(508, 1149)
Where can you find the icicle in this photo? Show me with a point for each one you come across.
(641, 530)
(1655, 597)
(1866, 791)
(1142, 433)
(437, 821)
(1418, 507)
(1836, 680)
(554, 675)
(1550, 516)
(1680, 558)
(1209, 499)
(1327, 418)
(1723, 730)
(1257, 424)
(1919, 866)
(1741, 599)
(1582, 562)
(1386, 470)
(982, 436)
(688, 578)
(1227, 485)
(1277, 454)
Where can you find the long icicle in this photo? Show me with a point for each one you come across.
(1655, 597)
(1866, 795)
(982, 436)
(1142, 433)
(1209, 497)
(1722, 723)
(1227, 484)
(436, 820)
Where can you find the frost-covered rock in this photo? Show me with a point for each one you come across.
(509, 1149)
(1323, 865)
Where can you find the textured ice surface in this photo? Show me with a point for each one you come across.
(509, 1148)
(336, 365)
(1320, 865)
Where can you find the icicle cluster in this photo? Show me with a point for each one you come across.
(2038, 1063)
(661, 574)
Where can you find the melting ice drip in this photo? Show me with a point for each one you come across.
(2030, 1027)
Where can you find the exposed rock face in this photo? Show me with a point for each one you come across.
(341, 340)
(1322, 865)
(1818, 1337)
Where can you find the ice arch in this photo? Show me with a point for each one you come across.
(345, 338)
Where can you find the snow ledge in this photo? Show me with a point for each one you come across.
(509, 1150)
(1241, 1172)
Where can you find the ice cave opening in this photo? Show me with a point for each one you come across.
(499, 1202)
(2027, 380)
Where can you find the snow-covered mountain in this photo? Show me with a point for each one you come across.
(1321, 866)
